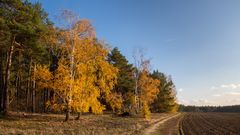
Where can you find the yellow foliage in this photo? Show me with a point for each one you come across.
(148, 87)
(115, 101)
(146, 111)
(82, 74)
(43, 76)
(148, 91)
(175, 108)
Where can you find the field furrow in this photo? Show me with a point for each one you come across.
(210, 124)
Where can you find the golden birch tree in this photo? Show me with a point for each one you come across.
(148, 91)
(82, 73)
(146, 88)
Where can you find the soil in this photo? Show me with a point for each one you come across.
(162, 126)
(210, 124)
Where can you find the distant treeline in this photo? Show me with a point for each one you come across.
(233, 108)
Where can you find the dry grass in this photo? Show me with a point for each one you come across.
(51, 124)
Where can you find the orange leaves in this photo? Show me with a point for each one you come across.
(83, 72)
(115, 100)
(146, 111)
(148, 91)
(43, 76)
(148, 86)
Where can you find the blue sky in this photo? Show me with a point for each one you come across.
(196, 42)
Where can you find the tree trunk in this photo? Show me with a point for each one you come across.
(71, 84)
(1, 81)
(7, 81)
(16, 87)
(18, 80)
(34, 90)
(78, 116)
(44, 100)
(136, 95)
(28, 84)
(140, 105)
(67, 111)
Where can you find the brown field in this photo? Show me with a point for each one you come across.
(49, 124)
(210, 124)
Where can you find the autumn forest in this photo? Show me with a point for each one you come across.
(68, 70)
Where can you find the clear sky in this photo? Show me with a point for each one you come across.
(197, 42)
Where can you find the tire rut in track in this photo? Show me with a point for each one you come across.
(153, 128)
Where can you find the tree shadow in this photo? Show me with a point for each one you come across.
(33, 117)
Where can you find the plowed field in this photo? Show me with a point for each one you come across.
(210, 124)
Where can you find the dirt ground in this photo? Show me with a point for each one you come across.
(49, 124)
(210, 124)
(162, 126)
(169, 127)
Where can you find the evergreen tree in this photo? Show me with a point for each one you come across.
(166, 98)
(22, 25)
(125, 81)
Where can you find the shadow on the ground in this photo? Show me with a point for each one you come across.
(15, 116)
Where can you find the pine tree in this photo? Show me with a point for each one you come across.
(166, 98)
(23, 24)
(125, 81)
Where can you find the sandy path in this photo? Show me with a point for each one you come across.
(154, 127)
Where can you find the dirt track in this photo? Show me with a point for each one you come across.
(210, 124)
(155, 127)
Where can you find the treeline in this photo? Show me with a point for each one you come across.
(48, 69)
(233, 108)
